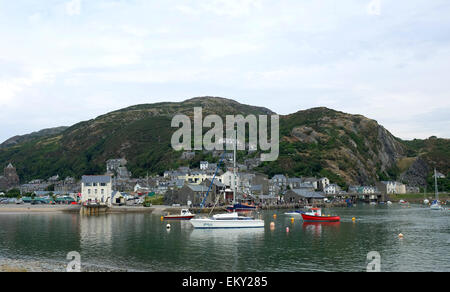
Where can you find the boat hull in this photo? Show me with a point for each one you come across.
(293, 214)
(310, 218)
(178, 217)
(241, 208)
(226, 224)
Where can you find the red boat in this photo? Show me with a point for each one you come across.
(185, 215)
(315, 215)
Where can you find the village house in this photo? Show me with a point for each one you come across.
(332, 189)
(280, 181)
(67, 186)
(362, 189)
(189, 194)
(322, 183)
(204, 165)
(302, 196)
(294, 182)
(391, 187)
(311, 180)
(96, 189)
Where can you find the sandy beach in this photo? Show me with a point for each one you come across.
(28, 208)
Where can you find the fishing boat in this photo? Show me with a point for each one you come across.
(315, 215)
(184, 215)
(228, 220)
(436, 205)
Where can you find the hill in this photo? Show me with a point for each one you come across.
(349, 149)
(28, 137)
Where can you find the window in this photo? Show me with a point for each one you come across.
(89, 191)
(95, 191)
(103, 184)
(103, 191)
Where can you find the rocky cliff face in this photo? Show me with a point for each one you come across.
(416, 174)
(352, 149)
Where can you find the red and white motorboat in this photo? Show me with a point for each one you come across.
(184, 215)
(315, 215)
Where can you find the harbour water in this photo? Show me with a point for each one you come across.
(141, 242)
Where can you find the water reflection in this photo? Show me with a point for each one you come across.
(141, 242)
(316, 228)
(227, 236)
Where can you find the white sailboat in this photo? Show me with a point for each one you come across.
(436, 205)
(228, 220)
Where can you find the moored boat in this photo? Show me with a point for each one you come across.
(316, 216)
(227, 221)
(436, 205)
(241, 207)
(184, 215)
(294, 213)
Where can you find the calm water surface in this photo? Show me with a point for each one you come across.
(140, 242)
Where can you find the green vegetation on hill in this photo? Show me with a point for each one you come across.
(348, 149)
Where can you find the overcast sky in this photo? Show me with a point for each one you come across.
(62, 62)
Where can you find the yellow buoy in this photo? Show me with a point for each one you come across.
(353, 219)
(162, 218)
(275, 216)
(292, 220)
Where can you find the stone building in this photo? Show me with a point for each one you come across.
(10, 179)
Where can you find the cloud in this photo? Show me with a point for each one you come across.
(286, 55)
(73, 7)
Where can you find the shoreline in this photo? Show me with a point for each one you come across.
(164, 209)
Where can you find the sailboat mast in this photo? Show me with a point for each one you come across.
(234, 167)
(435, 185)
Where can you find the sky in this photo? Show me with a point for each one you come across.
(66, 61)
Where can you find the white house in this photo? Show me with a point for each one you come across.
(204, 165)
(96, 189)
(392, 187)
(331, 189)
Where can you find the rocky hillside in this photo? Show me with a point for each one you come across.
(349, 149)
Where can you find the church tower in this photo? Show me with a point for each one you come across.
(11, 176)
